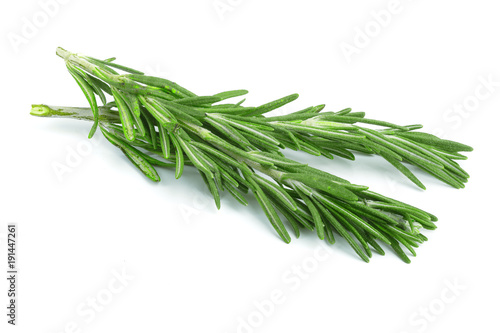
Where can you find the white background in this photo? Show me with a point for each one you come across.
(192, 268)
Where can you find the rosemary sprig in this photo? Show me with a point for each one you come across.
(156, 122)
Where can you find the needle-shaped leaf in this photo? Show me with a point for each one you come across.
(321, 132)
(230, 94)
(179, 157)
(273, 105)
(243, 127)
(432, 140)
(160, 113)
(112, 64)
(404, 170)
(343, 232)
(357, 220)
(276, 159)
(323, 184)
(230, 133)
(195, 157)
(318, 223)
(179, 114)
(134, 155)
(164, 142)
(125, 115)
(168, 85)
(275, 190)
(198, 100)
(96, 84)
(209, 181)
(135, 108)
(271, 214)
(89, 94)
(237, 195)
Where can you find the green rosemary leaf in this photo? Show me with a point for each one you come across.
(236, 194)
(295, 116)
(290, 217)
(343, 111)
(410, 155)
(383, 151)
(448, 164)
(157, 162)
(273, 105)
(134, 105)
(357, 234)
(323, 184)
(89, 94)
(94, 83)
(322, 174)
(330, 238)
(356, 219)
(453, 156)
(243, 127)
(357, 114)
(102, 70)
(398, 209)
(432, 140)
(164, 142)
(303, 216)
(135, 156)
(230, 133)
(359, 119)
(444, 176)
(254, 122)
(321, 132)
(262, 144)
(227, 109)
(374, 244)
(125, 115)
(179, 154)
(180, 115)
(340, 152)
(227, 177)
(276, 159)
(404, 170)
(423, 238)
(382, 198)
(112, 64)
(231, 93)
(168, 85)
(151, 131)
(307, 147)
(164, 117)
(100, 84)
(272, 216)
(198, 100)
(209, 181)
(195, 158)
(343, 232)
(395, 245)
(311, 109)
(318, 223)
(399, 234)
(135, 108)
(214, 152)
(276, 191)
(268, 208)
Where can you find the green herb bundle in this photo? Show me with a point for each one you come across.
(156, 122)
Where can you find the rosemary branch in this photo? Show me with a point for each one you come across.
(156, 122)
